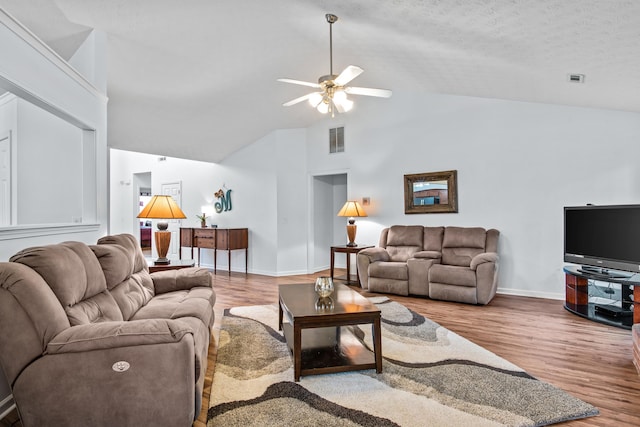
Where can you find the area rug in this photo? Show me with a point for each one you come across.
(431, 377)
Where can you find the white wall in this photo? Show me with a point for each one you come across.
(518, 164)
(30, 68)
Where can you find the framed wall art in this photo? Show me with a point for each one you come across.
(432, 192)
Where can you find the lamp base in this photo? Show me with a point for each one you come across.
(163, 238)
(351, 234)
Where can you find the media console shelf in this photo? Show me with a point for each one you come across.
(579, 284)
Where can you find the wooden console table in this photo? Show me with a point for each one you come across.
(226, 239)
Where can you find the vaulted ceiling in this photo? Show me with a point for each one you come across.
(197, 78)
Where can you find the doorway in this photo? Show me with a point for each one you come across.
(143, 228)
(5, 180)
(328, 195)
(173, 189)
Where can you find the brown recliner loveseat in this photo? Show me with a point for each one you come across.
(446, 263)
(89, 338)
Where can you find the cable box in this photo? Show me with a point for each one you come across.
(612, 311)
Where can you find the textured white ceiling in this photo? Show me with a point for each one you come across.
(197, 79)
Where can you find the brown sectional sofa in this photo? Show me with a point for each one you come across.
(89, 338)
(445, 263)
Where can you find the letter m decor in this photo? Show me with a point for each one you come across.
(224, 204)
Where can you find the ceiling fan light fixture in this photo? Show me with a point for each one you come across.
(333, 88)
(315, 99)
(347, 105)
(323, 107)
(339, 96)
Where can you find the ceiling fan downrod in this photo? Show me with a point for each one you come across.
(331, 18)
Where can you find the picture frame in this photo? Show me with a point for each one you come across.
(431, 192)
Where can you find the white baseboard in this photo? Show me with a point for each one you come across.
(531, 294)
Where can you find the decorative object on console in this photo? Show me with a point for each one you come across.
(225, 201)
(203, 220)
(352, 209)
(164, 208)
(433, 192)
(333, 91)
(324, 286)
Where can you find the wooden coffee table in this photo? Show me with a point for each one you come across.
(313, 330)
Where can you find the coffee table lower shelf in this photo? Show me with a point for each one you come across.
(322, 355)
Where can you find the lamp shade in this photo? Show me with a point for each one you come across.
(162, 207)
(352, 209)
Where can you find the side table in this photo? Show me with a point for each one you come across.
(175, 264)
(348, 250)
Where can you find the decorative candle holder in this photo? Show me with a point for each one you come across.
(324, 286)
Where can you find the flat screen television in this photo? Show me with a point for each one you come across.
(602, 238)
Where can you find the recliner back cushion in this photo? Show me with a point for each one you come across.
(126, 272)
(74, 275)
(403, 241)
(461, 244)
(433, 239)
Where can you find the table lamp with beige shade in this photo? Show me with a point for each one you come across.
(163, 208)
(352, 209)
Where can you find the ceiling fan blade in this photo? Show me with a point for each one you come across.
(298, 100)
(348, 74)
(300, 82)
(382, 93)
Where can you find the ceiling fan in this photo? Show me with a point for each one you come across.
(333, 89)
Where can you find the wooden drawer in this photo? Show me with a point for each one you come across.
(205, 242)
(204, 232)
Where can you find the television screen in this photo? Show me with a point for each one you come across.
(603, 236)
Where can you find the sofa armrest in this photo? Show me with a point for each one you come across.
(428, 255)
(105, 335)
(375, 254)
(482, 258)
(181, 279)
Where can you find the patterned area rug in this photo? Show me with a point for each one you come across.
(431, 376)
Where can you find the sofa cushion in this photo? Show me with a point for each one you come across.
(74, 275)
(403, 241)
(389, 286)
(452, 275)
(460, 245)
(432, 240)
(389, 270)
(131, 290)
(194, 302)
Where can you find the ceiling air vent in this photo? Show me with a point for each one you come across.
(336, 140)
(576, 78)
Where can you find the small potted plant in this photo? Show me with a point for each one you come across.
(203, 220)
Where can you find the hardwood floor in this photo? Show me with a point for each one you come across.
(591, 361)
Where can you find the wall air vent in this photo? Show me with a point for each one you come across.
(576, 78)
(336, 140)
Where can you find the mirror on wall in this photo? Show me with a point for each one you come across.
(432, 192)
(45, 164)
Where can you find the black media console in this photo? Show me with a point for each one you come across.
(613, 307)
